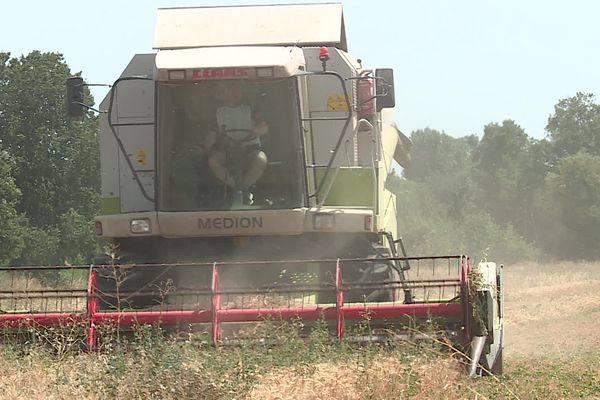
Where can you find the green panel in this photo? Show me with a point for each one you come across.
(353, 187)
(110, 205)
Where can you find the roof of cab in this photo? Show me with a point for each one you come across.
(261, 25)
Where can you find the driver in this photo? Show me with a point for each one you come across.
(237, 126)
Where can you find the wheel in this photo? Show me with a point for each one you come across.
(378, 270)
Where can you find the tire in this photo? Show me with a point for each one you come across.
(374, 271)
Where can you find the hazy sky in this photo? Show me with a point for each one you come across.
(458, 64)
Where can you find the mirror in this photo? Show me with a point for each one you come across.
(384, 83)
(75, 96)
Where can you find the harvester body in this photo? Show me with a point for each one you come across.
(244, 169)
(329, 147)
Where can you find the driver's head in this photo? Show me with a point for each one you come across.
(230, 93)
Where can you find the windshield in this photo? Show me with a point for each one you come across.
(228, 145)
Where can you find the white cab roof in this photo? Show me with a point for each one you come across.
(283, 24)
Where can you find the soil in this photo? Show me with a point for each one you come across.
(552, 310)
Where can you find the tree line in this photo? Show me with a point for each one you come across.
(505, 195)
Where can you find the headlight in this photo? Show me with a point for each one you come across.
(140, 225)
(324, 221)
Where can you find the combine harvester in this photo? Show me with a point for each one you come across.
(244, 169)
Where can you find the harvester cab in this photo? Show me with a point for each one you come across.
(244, 169)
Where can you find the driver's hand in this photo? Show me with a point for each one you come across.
(261, 128)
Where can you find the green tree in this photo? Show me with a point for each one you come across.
(435, 153)
(575, 125)
(463, 194)
(12, 223)
(444, 164)
(509, 168)
(428, 229)
(56, 159)
(576, 189)
(568, 209)
(77, 243)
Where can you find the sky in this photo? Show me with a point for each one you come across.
(458, 65)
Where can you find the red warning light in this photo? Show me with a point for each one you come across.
(323, 53)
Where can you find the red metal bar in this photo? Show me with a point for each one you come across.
(360, 311)
(92, 308)
(354, 311)
(400, 310)
(306, 313)
(216, 306)
(465, 269)
(339, 300)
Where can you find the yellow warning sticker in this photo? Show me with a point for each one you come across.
(140, 157)
(336, 102)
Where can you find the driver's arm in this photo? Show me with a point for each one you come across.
(261, 128)
(260, 125)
